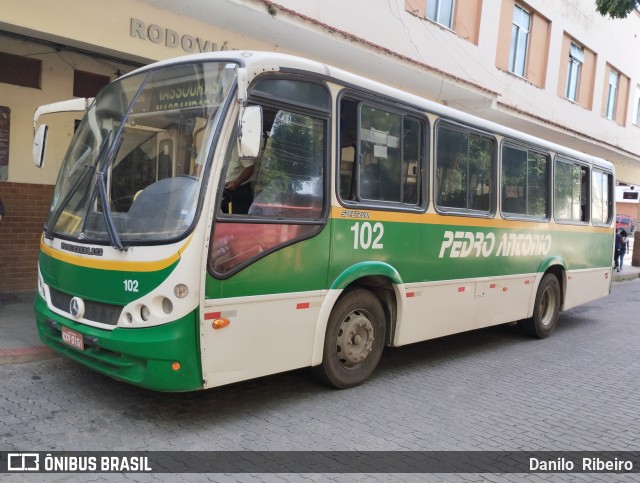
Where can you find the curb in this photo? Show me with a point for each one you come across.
(625, 275)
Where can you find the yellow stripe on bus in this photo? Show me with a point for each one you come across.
(115, 265)
(340, 213)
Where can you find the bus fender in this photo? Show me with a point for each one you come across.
(549, 262)
(342, 281)
(365, 269)
(542, 269)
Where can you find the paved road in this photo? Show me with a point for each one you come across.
(492, 389)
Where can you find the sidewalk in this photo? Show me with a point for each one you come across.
(19, 341)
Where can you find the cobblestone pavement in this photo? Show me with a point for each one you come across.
(492, 389)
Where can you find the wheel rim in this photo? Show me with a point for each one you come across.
(355, 339)
(548, 307)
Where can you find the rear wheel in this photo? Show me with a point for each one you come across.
(546, 309)
(354, 340)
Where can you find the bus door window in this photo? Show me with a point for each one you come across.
(286, 187)
(289, 185)
(239, 182)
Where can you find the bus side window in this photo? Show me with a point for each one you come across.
(464, 163)
(584, 194)
(571, 191)
(525, 186)
(601, 205)
(452, 163)
(380, 154)
(348, 149)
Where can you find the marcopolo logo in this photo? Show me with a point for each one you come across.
(463, 244)
(97, 252)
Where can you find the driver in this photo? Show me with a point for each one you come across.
(238, 182)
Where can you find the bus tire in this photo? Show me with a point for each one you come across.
(354, 340)
(546, 309)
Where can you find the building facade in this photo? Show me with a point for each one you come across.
(557, 70)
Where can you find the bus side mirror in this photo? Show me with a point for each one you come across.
(250, 137)
(39, 145)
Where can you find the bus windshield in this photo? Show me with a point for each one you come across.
(132, 173)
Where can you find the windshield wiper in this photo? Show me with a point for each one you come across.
(88, 169)
(114, 236)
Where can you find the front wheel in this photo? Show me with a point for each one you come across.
(354, 340)
(546, 309)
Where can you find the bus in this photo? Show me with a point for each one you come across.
(230, 215)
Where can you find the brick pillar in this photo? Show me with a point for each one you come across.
(26, 207)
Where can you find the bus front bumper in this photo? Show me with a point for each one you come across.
(162, 358)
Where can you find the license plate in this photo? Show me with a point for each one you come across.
(72, 338)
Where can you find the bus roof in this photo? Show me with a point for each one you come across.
(258, 62)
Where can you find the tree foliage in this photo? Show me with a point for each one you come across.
(615, 8)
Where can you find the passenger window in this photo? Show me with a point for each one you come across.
(601, 205)
(571, 191)
(380, 154)
(525, 182)
(464, 166)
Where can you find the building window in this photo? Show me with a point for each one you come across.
(576, 59)
(87, 84)
(576, 81)
(20, 71)
(612, 94)
(636, 107)
(441, 11)
(519, 40)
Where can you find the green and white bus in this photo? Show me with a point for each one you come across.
(229, 215)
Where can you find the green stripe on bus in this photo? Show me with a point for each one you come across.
(102, 285)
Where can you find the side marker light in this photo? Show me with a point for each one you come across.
(220, 323)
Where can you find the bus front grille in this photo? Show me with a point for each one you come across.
(94, 311)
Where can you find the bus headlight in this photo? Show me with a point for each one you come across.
(145, 313)
(167, 305)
